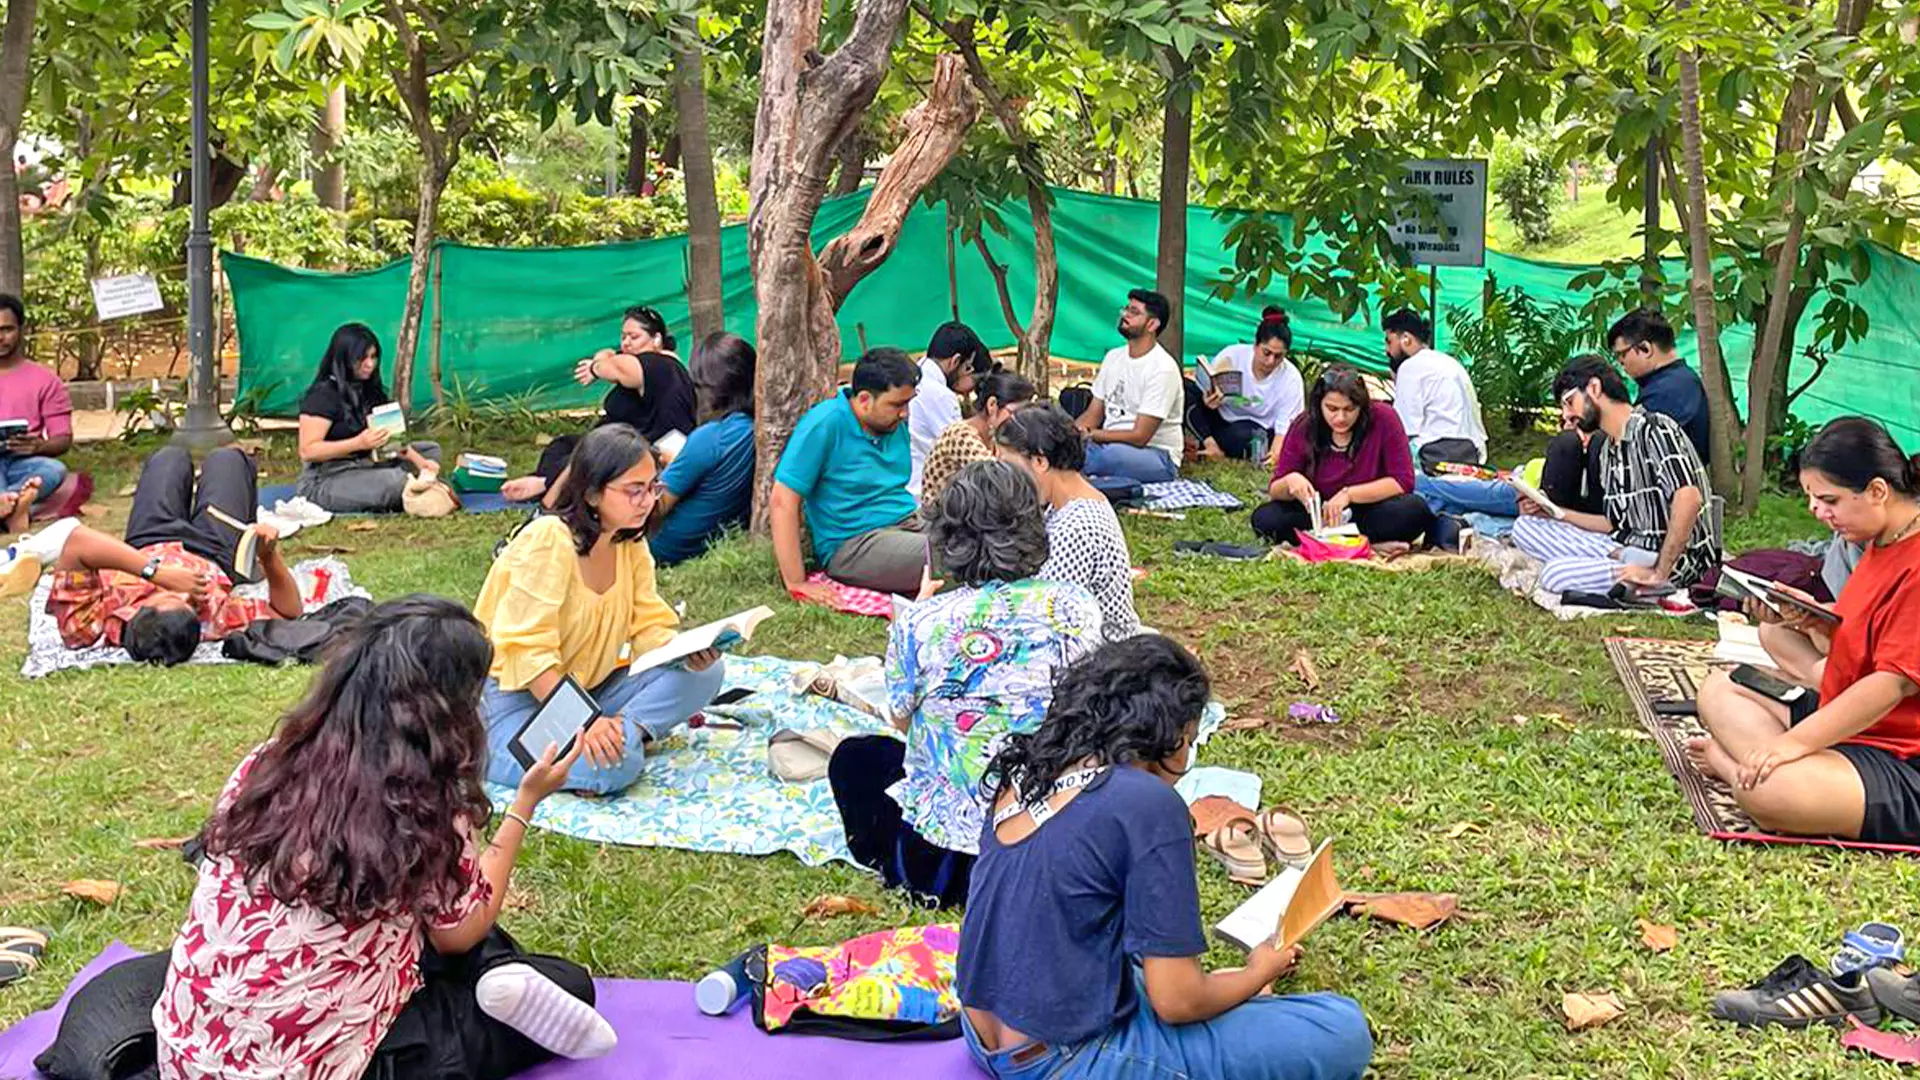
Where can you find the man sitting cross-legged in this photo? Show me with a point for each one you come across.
(169, 586)
(1657, 529)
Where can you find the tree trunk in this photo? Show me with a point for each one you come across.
(852, 163)
(15, 46)
(637, 151)
(264, 180)
(807, 105)
(433, 181)
(670, 151)
(1723, 417)
(705, 292)
(330, 173)
(225, 175)
(1170, 266)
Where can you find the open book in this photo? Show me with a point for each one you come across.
(1317, 513)
(1220, 374)
(723, 634)
(388, 418)
(1286, 909)
(1739, 585)
(1535, 495)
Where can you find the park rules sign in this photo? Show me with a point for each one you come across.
(1459, 238)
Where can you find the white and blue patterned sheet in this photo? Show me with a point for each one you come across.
(1187, 495)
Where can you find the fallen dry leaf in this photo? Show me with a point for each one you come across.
(330, 549)
(125, 492)
(543, 439)
(1461, 828)
(163, 843)
(99, 892)
(519, 899)
(1417, 910)
(361, 526)
(828, 907)
(1303, 666)
(1591, 1010)
(1658, 938)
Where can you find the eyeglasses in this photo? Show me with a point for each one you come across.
(637, 492)
(1621, 354)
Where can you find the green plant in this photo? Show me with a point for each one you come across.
(245, 414)
(1527, 183)
(142, 411)
(1515, 346)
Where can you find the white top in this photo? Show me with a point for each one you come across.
(1146, 385)
(1436, 400)
(934, 408)
(1274, 403)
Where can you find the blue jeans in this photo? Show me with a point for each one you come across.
(1147, 464)
(16, 471)
(1297, 1037)
(1494, 498)
(657, 701)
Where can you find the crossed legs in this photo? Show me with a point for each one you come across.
(1819, 795)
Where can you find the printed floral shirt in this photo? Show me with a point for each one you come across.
(261, 990)
(90, 605)
(968, 667)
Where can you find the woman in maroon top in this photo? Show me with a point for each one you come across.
(1353, 453)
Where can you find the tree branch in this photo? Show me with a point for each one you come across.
(999, 284)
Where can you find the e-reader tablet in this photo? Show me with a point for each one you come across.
(561, 719)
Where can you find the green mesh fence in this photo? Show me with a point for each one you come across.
(509, 324)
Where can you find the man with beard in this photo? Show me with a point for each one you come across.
(1133, 427)
(847, 464)
(1433, 395)
(1658, 529)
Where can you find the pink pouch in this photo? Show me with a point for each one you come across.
(1337, 549)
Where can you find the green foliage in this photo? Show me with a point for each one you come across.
(1515, 347)
(1528, 185)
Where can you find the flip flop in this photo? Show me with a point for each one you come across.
(20, 953)
(1284, 837)
(1236, 847)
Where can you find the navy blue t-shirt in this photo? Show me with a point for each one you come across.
(1675, 391)
(712, 477)
(1054, 922)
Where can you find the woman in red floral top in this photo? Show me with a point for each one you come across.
(338, 849)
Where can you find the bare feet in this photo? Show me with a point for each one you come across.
(1210, 450)
(1697, 750)
(22, 507)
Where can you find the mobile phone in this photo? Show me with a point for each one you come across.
(1687, 707)
(12, 428)
(728, 697)
(1768, 686)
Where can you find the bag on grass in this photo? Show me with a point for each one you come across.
(429, 496)
(1336, 549)
(887, 986)
(301, 640)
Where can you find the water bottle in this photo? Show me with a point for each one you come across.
(724, 989)
(1259, 446)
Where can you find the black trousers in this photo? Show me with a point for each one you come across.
(1235, 437)
(878, 837)
(169, 507)
(554, 457)
(1403, 518)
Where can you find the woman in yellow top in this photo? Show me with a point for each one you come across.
(573, 594)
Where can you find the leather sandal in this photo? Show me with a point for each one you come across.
(1236, 846)
(1284, 837)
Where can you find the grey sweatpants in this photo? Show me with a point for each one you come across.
(887, 560)
(361, 485)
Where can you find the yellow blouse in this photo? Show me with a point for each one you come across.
(540, 614)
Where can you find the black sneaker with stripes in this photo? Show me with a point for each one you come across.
(1797, 994)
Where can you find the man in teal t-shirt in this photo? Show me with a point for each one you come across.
(848, 464)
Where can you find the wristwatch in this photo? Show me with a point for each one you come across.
(152, 568)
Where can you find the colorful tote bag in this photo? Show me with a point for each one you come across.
(887, 985)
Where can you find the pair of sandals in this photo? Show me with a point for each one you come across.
(20, 952)
(1243, 842)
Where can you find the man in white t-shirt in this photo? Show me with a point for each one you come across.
(1433, 395)
(955, 357)
(1133, 425)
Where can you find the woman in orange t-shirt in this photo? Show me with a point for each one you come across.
(1844, 762)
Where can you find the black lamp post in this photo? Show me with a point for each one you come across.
(204, 426)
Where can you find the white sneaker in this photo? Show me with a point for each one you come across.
(301, 510)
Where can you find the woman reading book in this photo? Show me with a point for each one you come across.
(347, 463)
(1349, 454)
(345, 919)
(1080, 952)
(1252, 393)
(573, 595)
(1841, 762)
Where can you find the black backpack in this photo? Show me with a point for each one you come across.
(301, 640)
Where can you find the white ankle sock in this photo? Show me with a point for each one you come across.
(537, 1007)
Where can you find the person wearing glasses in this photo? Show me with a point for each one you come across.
(573, 594)
(1642, 343)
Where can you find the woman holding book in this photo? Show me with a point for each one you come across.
(964, 669)
(1080, 952)
(573, 595)
(1845, 761)
(1252, 394)
(347, 463)
(1349, 454)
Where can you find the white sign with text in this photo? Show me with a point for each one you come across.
(1459, 236)
(127, 294)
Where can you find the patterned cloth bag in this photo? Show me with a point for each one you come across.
(890, 985)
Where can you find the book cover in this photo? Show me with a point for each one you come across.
(1288, 908)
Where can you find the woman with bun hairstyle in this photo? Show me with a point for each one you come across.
(1270, 397)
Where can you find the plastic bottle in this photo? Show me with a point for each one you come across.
(724, 989)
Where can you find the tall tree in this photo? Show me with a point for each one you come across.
(16, 42)
(1176, 170)
(1706, 319)
(329, 134)
(705, 284)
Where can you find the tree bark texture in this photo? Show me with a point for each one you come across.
(705, 292)
(329, 132)
(1723, 417)
(637, 138)
(225, 176)
(1176, 166)
(16, 43)
(851, 170)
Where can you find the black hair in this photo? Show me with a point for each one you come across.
(883, 369)
(1345, 381)
(1584, 369)
(1005, 387)
(1273, 326)
(1643, 327)
(989, 525)
(1156, 305)
(1409, 321)
(722, 371)
(1129, 702)
(1047, 433)
(603, 456)
(349, 345)
(1854, 451)
(10, 302)
(164, 636)
(952, 339)
(652, 322)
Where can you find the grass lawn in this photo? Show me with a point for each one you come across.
(1463, 705)
(1590, 229)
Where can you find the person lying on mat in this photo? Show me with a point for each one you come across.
(1134, 425)
(1352, 453)
(1268, 401)
(347, 465)
(964, 668)
(997, 396)
(651, 393)
(847, 466)
(38, 414)
(1658, 529)
(1080, 953)
(345, 919)
(573, 595)
(1840, 762)
(1085, 544)
(708, 487)
(169, 586)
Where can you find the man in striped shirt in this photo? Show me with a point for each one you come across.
(1658, 528)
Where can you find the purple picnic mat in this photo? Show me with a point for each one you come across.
(662, 1037)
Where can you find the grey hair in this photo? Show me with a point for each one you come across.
(988, 525)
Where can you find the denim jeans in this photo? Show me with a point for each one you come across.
(1297, 1037)
(657, 701)
(1147, 464)
(16, 471)
(1461, 496)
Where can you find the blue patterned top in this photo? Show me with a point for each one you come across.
(967, 667)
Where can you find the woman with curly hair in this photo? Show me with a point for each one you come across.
(344, 920)
(964, 669)
(1080, 953)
